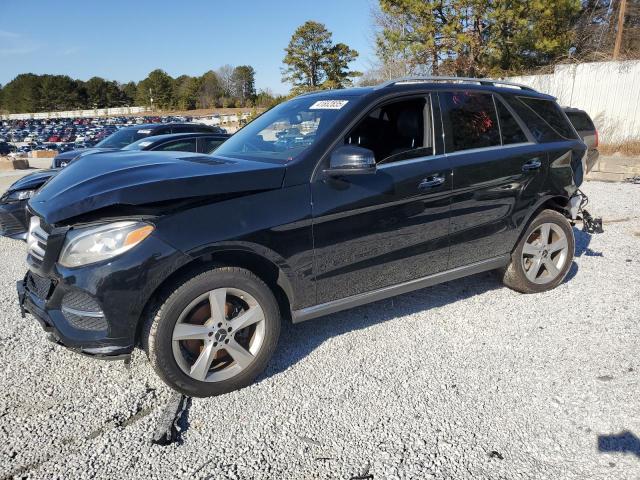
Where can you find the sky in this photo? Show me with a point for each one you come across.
(125, 40)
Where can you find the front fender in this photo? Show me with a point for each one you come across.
(275, 225)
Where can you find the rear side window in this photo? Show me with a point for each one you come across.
(511, 131)
(580, 120)
(472, 119)
(543, 118)
(178, 146)
(207, 145)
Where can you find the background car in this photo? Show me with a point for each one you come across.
(6, 149)
(125, 136)
(13, 219)
(583, 124)
(180, 142)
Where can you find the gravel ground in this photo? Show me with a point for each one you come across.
(466, 380)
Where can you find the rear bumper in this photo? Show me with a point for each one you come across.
(13, 220)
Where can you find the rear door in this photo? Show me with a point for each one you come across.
(377, 230)
(497, 172)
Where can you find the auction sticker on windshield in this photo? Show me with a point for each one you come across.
(328, 105)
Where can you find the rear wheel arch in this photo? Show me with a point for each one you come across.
(557, 203)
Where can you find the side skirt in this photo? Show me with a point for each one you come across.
(393, 290)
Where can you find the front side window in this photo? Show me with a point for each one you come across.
(286, 131)
(472, 120)
(395, 131)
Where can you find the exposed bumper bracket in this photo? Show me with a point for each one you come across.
(577, 212)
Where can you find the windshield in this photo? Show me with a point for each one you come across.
(285, 131)
(123, 137)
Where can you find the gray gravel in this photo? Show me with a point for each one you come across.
(465, 380)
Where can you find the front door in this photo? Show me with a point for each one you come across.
(376, 230)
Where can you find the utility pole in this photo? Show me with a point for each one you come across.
(616, 48)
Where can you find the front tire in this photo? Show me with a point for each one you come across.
(215, 333)
(543, 256)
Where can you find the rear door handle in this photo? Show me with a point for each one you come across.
(430, 182)
(531, 165)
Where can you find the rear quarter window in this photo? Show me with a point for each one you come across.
(544, 119)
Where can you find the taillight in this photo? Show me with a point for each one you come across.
(597, 139)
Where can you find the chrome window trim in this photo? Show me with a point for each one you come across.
(459, 152)
(411, 160)
(494, 147)
(82, 313)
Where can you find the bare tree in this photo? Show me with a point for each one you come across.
(225, 75)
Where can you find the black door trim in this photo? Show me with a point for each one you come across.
(393, 290)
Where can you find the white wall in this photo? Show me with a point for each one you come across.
(608, 91)
(98, 112)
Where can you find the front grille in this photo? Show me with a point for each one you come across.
(83, 312)
(37, 240)
(38, 285)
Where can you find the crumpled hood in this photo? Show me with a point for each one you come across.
(33, 180)
(139, 178)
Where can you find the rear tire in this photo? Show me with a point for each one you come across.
(543, 256)
(214, 334)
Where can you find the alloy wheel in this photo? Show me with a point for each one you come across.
(545, 253)
(218, 334)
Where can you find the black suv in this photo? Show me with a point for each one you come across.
(328, 201)
(127, 135)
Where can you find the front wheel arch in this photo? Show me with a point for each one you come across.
(267, 271)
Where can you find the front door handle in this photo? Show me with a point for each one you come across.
(430, 182)
(531, 165)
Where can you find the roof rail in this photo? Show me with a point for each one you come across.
(437, 79)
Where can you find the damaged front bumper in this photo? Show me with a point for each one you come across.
(60, 332)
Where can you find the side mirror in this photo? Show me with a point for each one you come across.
(351, 160)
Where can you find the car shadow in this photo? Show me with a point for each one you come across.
(583, 240)
(624, 442)
(299, 340)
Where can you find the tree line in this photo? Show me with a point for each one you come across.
(412, 37)
(495, 38)
(226, 87)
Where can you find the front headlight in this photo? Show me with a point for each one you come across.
(95, 244)
(20, 195)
